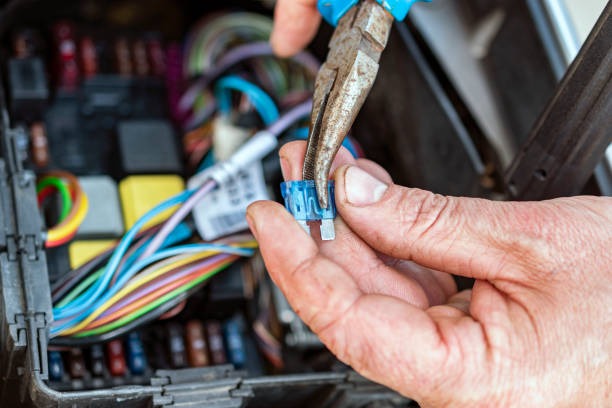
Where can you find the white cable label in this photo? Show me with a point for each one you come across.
(223, 211)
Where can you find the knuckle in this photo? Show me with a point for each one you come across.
(421, 213)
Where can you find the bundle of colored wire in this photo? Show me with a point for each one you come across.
(157, 284)
(89, 297)
(140, 273)
(74, 205)
(214, 35)
(74, 277)
(236, 55)
(222, 41)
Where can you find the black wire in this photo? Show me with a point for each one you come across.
(123, 330)
(62, 286)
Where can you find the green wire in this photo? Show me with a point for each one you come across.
(146, 309)
(62, 187)
(81, 287)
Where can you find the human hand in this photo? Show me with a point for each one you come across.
(535, 331)
(295, 25)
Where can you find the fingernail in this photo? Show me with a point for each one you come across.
(285, 168)
(251, 223)
(361, 188)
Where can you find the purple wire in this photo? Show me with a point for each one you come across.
(143, 291)
(234, 56)
(177, 217)
(290, 117)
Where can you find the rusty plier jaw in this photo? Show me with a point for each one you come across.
(342, 85)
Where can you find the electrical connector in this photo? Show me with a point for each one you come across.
(302, 202)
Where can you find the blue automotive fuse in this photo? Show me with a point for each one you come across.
(56, 366)
(234, 343)
(136, 359)
(302, 202)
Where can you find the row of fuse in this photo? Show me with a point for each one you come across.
(196, 344)
(81, 58)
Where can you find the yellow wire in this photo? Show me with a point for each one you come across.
(134, 285)
(145, 277)
(56, 234)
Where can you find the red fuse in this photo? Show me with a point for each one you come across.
(67, 70)
(215, 343)
(89, 56)
(116, 358)
(196, 344)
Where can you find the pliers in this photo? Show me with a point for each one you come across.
(346, 78)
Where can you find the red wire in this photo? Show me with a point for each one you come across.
(44, 193)
(47, 191)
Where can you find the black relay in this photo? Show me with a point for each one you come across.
(148, 146)
(28, 88)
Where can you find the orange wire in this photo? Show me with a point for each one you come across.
(138, 304)
(151, 296)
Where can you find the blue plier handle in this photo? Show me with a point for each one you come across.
(333, 10)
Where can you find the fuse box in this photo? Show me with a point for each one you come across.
(114, 105)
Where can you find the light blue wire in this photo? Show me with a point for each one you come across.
(263, 103)
(139, 265)
(208, 161)
(180, 233)
(86, 299)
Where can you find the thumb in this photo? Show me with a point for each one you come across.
(463, 236)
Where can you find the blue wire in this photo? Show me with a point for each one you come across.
(263, 103)
(139, 265)
(209, 160)
(301, 133)
(86, 299)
